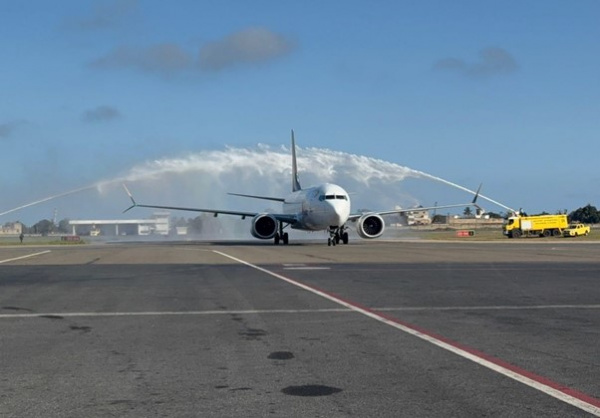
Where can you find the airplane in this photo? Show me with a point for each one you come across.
(325, 207)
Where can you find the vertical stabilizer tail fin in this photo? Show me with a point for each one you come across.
(295, 182)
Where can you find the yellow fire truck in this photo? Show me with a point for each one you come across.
(535, 226)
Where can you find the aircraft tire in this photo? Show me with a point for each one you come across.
(345, 238)
(276, 239)
(286, 238)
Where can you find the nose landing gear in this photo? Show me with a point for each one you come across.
(337, 234)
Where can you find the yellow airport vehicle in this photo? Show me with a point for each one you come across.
(575, 230)
(535, 226)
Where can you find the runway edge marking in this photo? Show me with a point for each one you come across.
(563, 393)
(24, 256)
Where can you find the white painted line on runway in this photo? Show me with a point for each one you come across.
(578, 399)
(24, 256)
(307, 268)
(169, 313)
(285, 311)
(302, 266)
(484, 308)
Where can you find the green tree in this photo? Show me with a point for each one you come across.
(43, 227)
(439, 219)
(494, 215)
(587, 214)
(195, 225)
(467, 212)
(63, 226)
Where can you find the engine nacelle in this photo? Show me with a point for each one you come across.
(264, 226)
(370, 226)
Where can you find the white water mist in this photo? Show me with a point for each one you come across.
(202, 179)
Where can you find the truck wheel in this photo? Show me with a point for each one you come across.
(516, 234)
(556, 233)
(546, 233)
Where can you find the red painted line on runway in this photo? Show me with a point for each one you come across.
(543, 384)
(540, 379)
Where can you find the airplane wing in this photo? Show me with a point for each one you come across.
(279, 216)
(276, 199)
(355, 216)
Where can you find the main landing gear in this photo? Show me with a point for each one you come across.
(337, 234)
(284, 238)
(281, 236)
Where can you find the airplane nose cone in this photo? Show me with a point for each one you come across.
(336, 219)
(337, 215)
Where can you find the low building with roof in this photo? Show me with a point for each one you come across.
(158, 224)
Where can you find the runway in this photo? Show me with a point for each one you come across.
(374, 328)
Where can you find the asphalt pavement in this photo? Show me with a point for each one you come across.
(186, 329)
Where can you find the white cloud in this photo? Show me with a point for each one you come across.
(246, 47)
(492, 61)
(101, 114)
(249, 46)
(165, 59)
(7, 129)
(105, 14)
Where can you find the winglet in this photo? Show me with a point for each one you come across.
(295, 182)
(480, 210)
(131, 197)
(477, 193)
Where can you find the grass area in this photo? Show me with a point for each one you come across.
(484, 235)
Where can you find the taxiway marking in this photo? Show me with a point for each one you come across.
(578, 399)
(484, 308)
(302, 266)
(169, 313)
(285, 311)
(307, 268)
(23, 256)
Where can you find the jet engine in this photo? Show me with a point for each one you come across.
(264, 226)
(370, 226)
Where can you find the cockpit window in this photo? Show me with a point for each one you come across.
(333, 197)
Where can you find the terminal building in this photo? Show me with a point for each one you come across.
(415, 217)
(11, 228)
(158, 224)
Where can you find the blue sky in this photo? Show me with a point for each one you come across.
(504, 93)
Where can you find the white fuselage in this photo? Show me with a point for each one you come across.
(319, 207)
